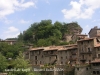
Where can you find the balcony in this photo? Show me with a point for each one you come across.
(50, 54)
(82, 59)
(73, 53)
(73, 59)
(53, 62)
(89, 52)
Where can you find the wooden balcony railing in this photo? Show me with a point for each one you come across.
(89, 52)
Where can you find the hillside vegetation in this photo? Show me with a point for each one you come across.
(45, 33)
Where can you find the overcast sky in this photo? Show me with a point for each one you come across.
(17, 15)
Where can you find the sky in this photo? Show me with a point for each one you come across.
(17, 15)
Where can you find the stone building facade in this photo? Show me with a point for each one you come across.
(94, 32)
(86, 51)
(59, 55)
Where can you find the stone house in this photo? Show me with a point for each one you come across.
(95, 67)
(94, 32)
(36, 56)
(59, 55)
(10, 42)
(50, 55)
(79, 37)
(86, 52)
(68, 54)
(97, 50)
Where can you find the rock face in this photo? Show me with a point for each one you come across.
(72, 29)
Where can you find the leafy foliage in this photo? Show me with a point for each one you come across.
(45, 33)
(22, 66)
(3, 63)
(11, 51)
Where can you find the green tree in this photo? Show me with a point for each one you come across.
(22, 66)
(20, 37)
(58, 25)
(41, 32)
(11, 51)
(3, 63)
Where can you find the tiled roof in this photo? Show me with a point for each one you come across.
(39, 48)
(81, 35)
(68, 48)
(59, 48)
(85, 39)
(98, 45)
(70, 45)
(96, 61)
(62, 49)
(10, 40)
(52, 48)
(49, 49)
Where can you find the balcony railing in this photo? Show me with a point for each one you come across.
(72, 59)
(47, 54)
(53, 62)
(89, 52)
(83, 59)
(73, 53)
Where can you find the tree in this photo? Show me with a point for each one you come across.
(11, 51)
(3, 63)
(58, 25)
(20, 37)
(22, 66)
(39, 32)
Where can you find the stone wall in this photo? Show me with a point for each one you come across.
(82, 70)
(3, 73)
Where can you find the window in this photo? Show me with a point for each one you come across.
(98, 72)
(61, 62)
(35, 57)
(36, 62)
(82, 43)
(56, 57)
(47, 52)
(32, 53)
(40, 62)
(82, 56)
(87, 69)
(89, 49)
(42, 56)
(51, 52)
(98, 49)
(65, 51)
(94, 72)
(61, 52)
(61, 57)
(49, 58)
(94, 64)
(39, 52)
(77, 68)
(89, 61)
(82, 49)
(66, 57)
(98, 55)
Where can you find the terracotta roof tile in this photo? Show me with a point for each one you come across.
(82, 35)
(39, 48)
(85, 39)
(95, 61)
(98, 45)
